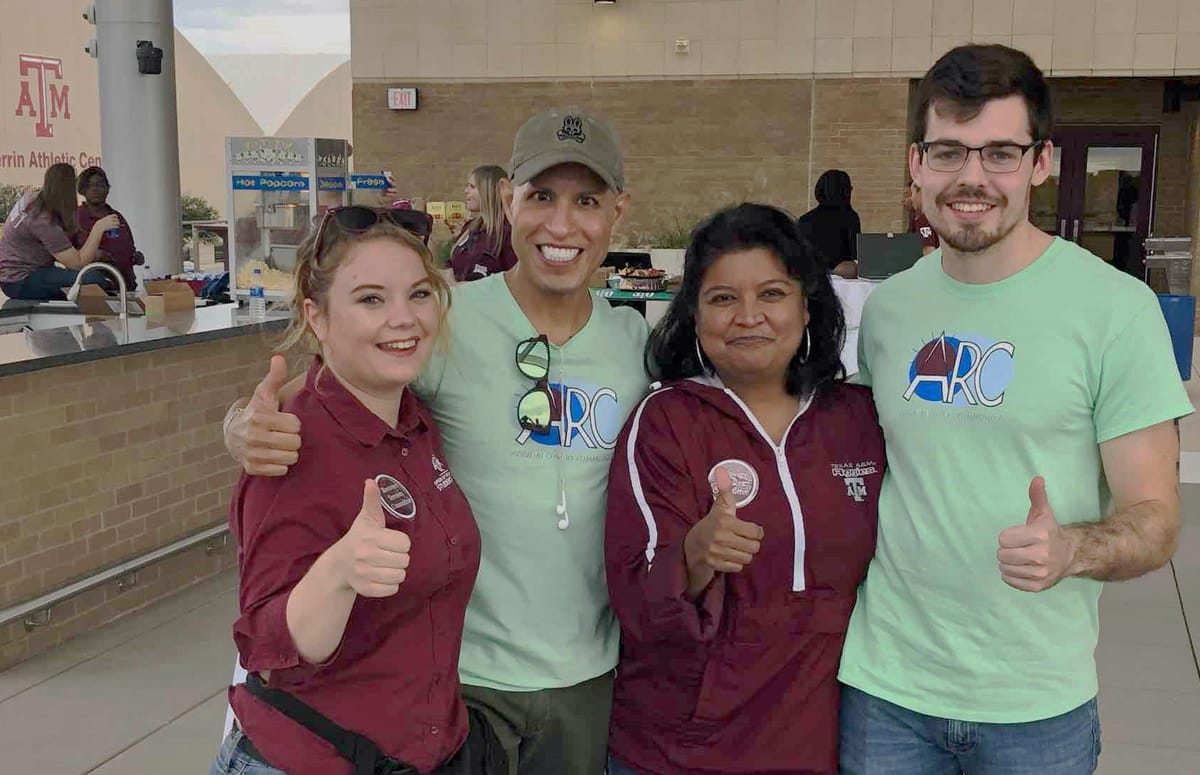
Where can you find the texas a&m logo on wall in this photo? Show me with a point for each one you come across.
(43, 94)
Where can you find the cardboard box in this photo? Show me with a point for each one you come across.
(166, 296)
(456, 215)
(94, 302)
(437, 211)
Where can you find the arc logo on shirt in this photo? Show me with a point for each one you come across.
(854, 475)
(395, 498)
(590, 418)
(443, 479)
(961, 370)
(742, 476)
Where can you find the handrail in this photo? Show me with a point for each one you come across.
(125, 575)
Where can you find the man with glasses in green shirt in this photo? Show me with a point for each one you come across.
(1028, 396)
(529, 398)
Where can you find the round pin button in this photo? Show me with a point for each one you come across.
(743, 477)
(395, 497)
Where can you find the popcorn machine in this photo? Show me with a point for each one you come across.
(277, 189)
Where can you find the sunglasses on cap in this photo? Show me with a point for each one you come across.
(536, 411)
(356, 219)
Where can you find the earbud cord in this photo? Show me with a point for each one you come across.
(564, 518)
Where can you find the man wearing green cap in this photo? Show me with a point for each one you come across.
(529, 399)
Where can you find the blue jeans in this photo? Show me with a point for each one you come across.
(44, 284)
(233, 761)
(879, 738)
(616, 768)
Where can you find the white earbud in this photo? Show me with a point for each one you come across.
(561, 511)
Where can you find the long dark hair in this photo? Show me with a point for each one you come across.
(57, 197)
(671, 350)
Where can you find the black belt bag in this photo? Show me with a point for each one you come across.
(480, 754)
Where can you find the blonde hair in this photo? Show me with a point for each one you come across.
(491, 208)
(314, 275)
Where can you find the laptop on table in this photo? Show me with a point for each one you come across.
(882, 255)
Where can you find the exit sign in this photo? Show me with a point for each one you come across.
(402, 99)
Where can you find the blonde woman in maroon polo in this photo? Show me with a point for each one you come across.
(356, 566)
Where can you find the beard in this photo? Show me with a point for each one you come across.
(970, 237)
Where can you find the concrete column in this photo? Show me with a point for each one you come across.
(139, 134)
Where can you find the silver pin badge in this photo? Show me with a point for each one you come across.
(742, 476)
(395, 497)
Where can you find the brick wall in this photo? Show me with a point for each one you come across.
(1192, 215)
(104, 461)
(860, 126)
(691, 146)
(694, 145)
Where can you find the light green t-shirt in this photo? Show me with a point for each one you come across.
(539, 617)
(979, 389)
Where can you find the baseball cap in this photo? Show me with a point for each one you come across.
(563, 137)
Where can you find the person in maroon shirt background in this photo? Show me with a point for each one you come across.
(356, 567)
(918, 222)
(38, 258)
(741, 515)
(484, 245)
(116, 246)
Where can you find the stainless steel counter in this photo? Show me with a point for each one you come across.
(87, 339)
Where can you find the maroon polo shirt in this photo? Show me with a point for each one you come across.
(473, 257)
(394, 677)
(118, 250)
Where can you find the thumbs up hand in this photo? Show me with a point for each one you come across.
(720, 541)
(372, 559)
(1036, 555)
(263, 439)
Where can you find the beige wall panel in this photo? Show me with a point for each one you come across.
(1066, 37)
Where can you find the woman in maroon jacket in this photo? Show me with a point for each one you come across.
(741, 515)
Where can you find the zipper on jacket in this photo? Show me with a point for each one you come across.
(789, 486)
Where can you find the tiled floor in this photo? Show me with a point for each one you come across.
(147, 694)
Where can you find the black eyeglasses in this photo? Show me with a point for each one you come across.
(1000, 158)
(536, 411)
(357, 219)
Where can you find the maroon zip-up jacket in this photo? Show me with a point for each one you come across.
(743, 680)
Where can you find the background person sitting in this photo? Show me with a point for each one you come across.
(116, 245)
(832, 226)
(41, 235)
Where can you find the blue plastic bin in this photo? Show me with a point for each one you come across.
(1180, 312)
